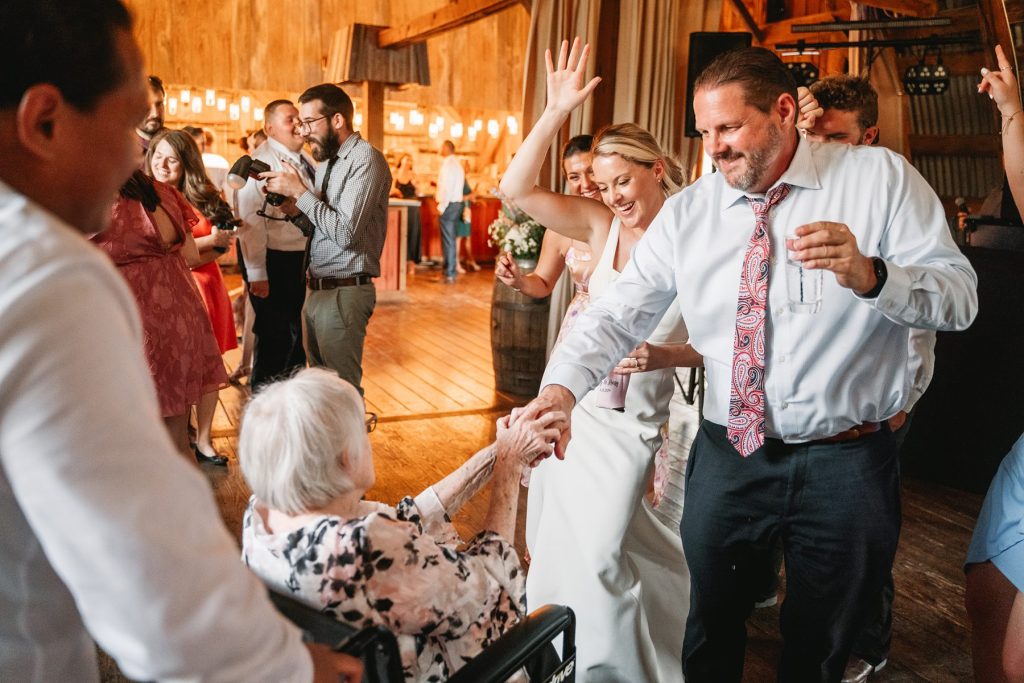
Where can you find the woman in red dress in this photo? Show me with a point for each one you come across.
(149, 241)
(173, 158)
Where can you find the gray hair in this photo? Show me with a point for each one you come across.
(293, 436)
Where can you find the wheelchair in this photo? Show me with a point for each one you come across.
(377, 648)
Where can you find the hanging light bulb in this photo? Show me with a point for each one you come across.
(222, 104)
(471, 133)
(513, 125)
(478, 124)
(186, 96)
(493, 128)
(211, 97)
(433, 131)
(439, 122)
(415, 118)
(246, 103)
(172, 106)
(399, 122)
(456, 130)
(257, 114)
(197, 104)
(233, 112)
(358, 119)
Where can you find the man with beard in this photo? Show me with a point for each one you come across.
(346, 221)
(105, 531)
(154, 121)
(273, 250)
(794, 446)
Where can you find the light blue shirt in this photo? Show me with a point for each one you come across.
(824, 372)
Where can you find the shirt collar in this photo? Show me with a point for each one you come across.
(802, 172)
(350, 143)
(283, 151)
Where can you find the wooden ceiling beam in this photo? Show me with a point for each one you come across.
(453, 15)
(748, 20)
(782, 31)
(913, 8)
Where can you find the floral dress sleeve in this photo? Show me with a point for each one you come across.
(419, 586)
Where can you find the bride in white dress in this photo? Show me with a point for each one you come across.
(594, 540)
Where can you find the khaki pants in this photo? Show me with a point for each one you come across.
(334, 322)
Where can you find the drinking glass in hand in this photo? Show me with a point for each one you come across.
(803, 285)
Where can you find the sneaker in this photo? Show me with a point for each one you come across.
(858, 670)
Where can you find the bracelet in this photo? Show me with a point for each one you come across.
(1009, 120)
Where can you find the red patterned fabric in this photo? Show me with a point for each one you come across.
(746, 400)
(180, 347)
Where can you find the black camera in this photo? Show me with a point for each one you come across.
(246, 167)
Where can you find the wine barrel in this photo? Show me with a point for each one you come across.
(519, 331)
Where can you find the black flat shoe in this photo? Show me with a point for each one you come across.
(218, 460)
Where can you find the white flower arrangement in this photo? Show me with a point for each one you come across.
(516, 232)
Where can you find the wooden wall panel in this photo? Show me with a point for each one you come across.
(274, 46)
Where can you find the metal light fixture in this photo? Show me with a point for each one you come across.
(926, 79)
(804, 73)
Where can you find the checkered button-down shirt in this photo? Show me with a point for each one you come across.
(350, 220)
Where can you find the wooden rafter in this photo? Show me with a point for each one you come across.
(748, 20)
(913, 8)
(456, 13)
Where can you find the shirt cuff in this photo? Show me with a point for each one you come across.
(256, 274)
(568, 376)
(434, 519)
(894, 297)
(306, 203)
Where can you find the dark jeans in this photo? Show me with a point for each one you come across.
(449, 222)
(876, 637)
(836, 510)
(414, 232)
(277, 328)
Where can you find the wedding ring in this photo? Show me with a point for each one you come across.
(1006, 68)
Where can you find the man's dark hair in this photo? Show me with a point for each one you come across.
(580, 144)
(848, 93)
(269, 110)
(70, 45)
(156, 85)
(759, 72)
(194, 131)
(333, 100)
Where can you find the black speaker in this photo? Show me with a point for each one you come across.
(704, 47)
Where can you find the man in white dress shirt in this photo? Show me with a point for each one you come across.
(451, 180)
(274, 249)
(794, 445)
(105, 531)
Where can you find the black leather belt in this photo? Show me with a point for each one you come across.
(318, 283)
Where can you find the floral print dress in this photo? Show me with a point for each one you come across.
(399, 568)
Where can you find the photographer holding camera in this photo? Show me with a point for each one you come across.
(346, 219)
(273, 250)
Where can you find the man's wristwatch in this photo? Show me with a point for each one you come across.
(881, 275)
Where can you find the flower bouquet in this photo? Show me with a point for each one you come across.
(516, 232)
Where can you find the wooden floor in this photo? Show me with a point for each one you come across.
(428, 375)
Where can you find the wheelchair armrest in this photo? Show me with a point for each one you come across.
(510, 652)
(375, 646)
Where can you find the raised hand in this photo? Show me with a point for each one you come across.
(810, 110)
(1001, 85)
(566, 89)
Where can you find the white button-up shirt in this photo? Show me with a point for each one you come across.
(824, 372)
(258, 233)
(451, 181)
(103, 525)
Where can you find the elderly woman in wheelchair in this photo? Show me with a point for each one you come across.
(307, 531)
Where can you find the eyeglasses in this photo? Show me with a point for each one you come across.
(306, 125)
(371, 422)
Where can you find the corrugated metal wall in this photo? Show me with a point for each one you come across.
(958, 111)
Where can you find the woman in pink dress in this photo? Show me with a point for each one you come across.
(173, 158)
(149, 239)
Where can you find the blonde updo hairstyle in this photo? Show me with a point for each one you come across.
(293, 435)
(636, 145)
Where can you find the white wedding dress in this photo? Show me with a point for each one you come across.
(594, 540)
